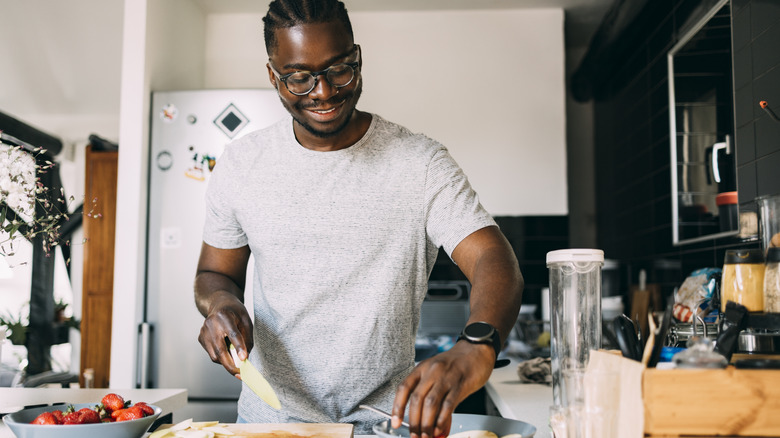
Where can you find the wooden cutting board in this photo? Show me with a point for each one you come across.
(288, 430)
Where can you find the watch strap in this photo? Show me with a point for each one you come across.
(495, 341)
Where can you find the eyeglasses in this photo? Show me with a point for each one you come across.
(300, 83)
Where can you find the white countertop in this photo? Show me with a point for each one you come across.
(14, 399)
(529, 402)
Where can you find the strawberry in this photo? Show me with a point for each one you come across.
(58, 414)
(82, 416)
(131, 413)
(72, 418)
(113, 402)
(148, 410)
(45, 418)
(89, 416)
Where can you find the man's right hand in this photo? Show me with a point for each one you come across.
(219, 296)
(227, 323)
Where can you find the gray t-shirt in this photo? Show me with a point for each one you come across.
(343, 243)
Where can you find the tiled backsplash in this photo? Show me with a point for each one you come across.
(532, 237)
(631, 112)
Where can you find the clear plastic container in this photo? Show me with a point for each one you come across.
(743, 279)
(772, 281)
(769, 221)
(575, 316)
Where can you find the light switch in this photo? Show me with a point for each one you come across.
(170, 237)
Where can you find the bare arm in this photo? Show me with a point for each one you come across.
(219, 297)
(437, 385)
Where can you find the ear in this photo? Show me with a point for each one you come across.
(272, 76)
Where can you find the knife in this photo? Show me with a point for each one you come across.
(255, 381)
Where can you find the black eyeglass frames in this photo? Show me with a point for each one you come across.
(300, 83)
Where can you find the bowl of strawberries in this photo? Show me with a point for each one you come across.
(112, 417)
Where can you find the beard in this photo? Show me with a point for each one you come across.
(298, 108)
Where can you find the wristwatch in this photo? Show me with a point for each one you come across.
(483, 333)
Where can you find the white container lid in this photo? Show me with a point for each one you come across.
(576, 255)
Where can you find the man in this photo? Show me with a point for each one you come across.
(344, 213)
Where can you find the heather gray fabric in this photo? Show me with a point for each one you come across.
(343, 244)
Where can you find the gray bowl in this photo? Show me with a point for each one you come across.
(463, 422)
(19, 422)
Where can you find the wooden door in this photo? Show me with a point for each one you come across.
(98, 282)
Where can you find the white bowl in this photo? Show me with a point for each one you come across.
(19, 422)
(464, 422)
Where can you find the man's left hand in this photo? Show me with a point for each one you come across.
(437, 385)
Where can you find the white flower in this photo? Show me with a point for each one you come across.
(17, 181)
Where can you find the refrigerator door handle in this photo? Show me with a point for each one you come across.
(144, 346)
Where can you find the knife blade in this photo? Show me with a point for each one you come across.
(255, 381)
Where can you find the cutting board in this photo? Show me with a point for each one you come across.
(288, 430)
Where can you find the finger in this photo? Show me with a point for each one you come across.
(226, 359)
(247, 332)
(444, 421)
(417, 405)
(402, 398)
(235, 337)
(431, 407)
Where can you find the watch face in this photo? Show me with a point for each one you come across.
(478, 330)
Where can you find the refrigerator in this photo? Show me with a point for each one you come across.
(189, 130)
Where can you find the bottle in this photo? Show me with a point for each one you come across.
(89, 378)
(772, 281)
(743, 279)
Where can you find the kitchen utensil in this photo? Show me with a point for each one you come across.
(627, 337)
(19, 423)
(255, 381)
(381, 412)
(733, 322)
(660, 335)
(575, 298)
(467, 422)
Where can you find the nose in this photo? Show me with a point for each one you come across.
(322, 90)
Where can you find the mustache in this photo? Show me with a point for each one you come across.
(332, 102)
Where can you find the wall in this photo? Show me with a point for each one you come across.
(61, 64)
(435, 76)
(155, 55)
(633, 178)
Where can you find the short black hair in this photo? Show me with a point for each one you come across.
(288, 13)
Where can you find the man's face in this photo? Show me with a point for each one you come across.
(326, 110)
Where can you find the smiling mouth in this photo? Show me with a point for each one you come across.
(327, 111)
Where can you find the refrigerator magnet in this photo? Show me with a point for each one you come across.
(164, 160)
(169, 113)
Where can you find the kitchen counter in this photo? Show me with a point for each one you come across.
(528, 402)
(509, 397)
(14, 399)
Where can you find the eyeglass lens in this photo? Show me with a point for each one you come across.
(303, 82)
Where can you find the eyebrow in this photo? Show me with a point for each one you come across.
(330, 61)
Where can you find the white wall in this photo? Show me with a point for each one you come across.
(487, 84)
(163, 48)
(60, 72)
(430, 71)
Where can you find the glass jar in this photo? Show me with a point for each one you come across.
(743, 279)
(769, 221)
(772, 281)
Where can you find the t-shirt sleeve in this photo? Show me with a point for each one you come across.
(222, 228)
(454, 210)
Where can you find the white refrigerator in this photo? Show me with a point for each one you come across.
(189, 130)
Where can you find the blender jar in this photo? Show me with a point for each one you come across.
(575, 301)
